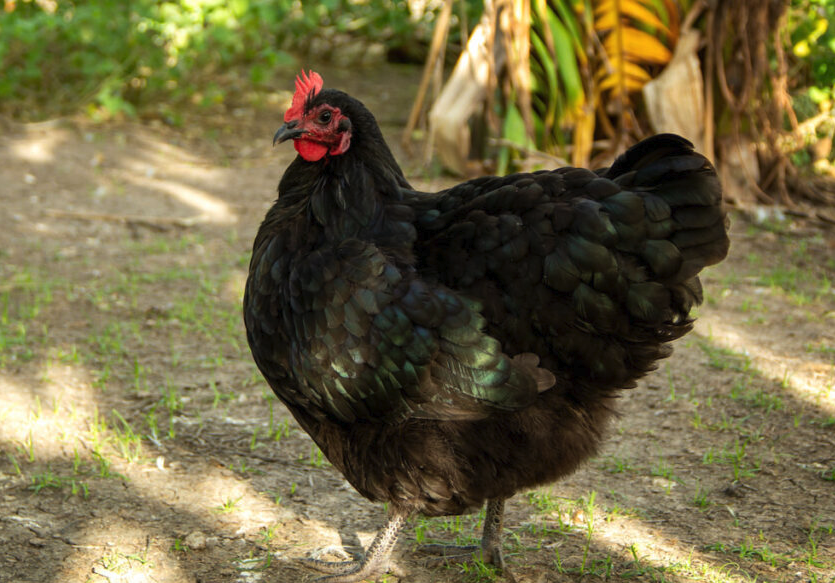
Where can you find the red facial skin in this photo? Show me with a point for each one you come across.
(326, 131)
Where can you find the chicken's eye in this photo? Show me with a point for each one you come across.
(325, 116)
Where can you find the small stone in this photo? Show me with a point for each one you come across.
(663, 483)
(67, 252)
(195, 541)
(734, 490)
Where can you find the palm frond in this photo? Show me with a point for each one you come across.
(635, 40)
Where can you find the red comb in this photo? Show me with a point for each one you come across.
(307, 86)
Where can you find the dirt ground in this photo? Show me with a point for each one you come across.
(138, 442)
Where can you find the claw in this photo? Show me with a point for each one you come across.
(351, 571)
(372, 566)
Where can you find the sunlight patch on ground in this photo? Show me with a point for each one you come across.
(43, 422)
(214, 495)
(153, 149)
(810, 380)
(37, 149)
(656, 554)
(130, 560)
(211, 208)
(59, 440)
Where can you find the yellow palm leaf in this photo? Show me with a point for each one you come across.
(634, 77)
(628, 48)
(608, 12)
(583, 138)
(643, 47)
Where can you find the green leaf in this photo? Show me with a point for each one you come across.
(567, 62)
(514, 128)
(568, 17)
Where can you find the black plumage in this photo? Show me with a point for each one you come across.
(447, 349)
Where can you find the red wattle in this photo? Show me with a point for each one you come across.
(310, 151)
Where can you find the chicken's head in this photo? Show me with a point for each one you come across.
(316, 127)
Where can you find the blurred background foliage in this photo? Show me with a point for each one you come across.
(812, 36)
(571, 87)
(151, 57)
(750, 82)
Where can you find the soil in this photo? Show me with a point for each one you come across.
(140, 444)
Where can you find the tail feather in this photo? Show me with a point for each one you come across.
(682, 200)
(648, 151)
(670, 217)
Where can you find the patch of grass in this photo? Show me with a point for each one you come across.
(752, 305)
(589, 513)
(315, 458)
(663, 469)
(800, 285)
(811, 552)
(640, 567)
(463, 528)
(696, 421)
(741, 390)
(128, 442)
(591, 564)
(278, 430)
(45, 479)
(700, 498)
(16, 465)
(243, 468)
(153, 425)
(104, 467)
(116, 564)
(28, 447)
(671, 397)
(228, 505)
(544, 501)
(724, 358)
(48, 479)
(735, 456)
(617, 465)
(760, 551)
(25, 293)
(820, 347)
(477, 571)
(267, 533)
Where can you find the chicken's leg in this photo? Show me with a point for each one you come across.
(375, 562)
(491, 542)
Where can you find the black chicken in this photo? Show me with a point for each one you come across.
(448, 349)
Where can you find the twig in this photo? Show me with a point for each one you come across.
(710, 55)
(533, 153)
(694, 13)
(530, 152)
(438, 41)
(158, 223)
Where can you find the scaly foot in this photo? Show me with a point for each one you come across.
(372, 566)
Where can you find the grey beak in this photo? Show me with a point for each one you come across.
(287, 132)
